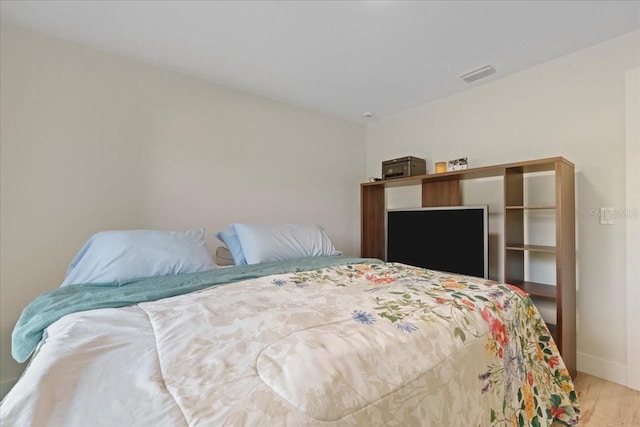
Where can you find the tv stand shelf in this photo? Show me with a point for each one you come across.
(443, 189)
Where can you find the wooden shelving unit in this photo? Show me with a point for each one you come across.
(444, 190)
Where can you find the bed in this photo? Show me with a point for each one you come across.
(322, 340)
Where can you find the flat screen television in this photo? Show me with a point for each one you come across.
(453, 239)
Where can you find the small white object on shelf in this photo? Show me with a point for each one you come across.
(457, 164)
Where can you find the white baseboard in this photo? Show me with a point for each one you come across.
(6, 385)
(606, 369)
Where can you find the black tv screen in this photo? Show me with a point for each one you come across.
(452, 239)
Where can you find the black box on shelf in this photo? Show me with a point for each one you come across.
(404, 166)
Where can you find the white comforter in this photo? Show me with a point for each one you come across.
(349, 345)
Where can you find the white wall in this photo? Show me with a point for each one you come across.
(91, 141)
(572, 107)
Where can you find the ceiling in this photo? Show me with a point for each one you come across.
(342, 58)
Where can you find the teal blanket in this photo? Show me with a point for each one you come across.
(51, 306)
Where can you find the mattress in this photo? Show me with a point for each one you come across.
(346, 342)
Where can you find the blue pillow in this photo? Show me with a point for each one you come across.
(269, 243)
(118, 256)
(230, 239)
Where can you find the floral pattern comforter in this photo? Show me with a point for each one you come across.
(348, 345)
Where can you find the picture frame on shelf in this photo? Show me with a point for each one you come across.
(457, 164)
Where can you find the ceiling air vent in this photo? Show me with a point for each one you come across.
(479, 73)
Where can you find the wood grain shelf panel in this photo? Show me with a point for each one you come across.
(540, 165)
(536, 289)
(532, 248)
(530, 207)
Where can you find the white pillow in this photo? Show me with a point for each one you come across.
(268, 243)
(116, 256)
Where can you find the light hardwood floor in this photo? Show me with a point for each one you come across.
(606, 404)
